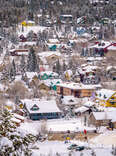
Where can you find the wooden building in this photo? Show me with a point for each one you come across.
(102, 119)
(75, 89)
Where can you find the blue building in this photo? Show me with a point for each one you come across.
(41, 109)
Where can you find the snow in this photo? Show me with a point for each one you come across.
(49, 53)
(51, 82)
(44, 106)
(4, 141)
(89, 104)
(18, 116)
(27, 29)
(104, 92)
(110, 115)
(27, 43)
(52, 147)
(81, 109)
(73, 85)
(107, 138)
(53, 41)
(103, 44)
(49, 73)
(69, 100)
(112, 47)
(15, 120)
(66, 15)
(62, 125)
(30, 75)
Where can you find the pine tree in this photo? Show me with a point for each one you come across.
(22, 64)
(12, 142)
(12, 72)
(64, 66)
(58, 67)
(32, 61)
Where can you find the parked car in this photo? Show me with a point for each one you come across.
(73, 146)
(79, 148)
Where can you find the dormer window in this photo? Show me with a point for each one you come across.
(35, 107)
(71, 100)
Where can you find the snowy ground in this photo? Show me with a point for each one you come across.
(101, 144)
(53, 147)
(107, 138)
(59, 125)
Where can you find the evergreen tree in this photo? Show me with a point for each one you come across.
(22, 64)
(12, 73)
(64, 66)
(32, 61)
(58, 67)
(12, 142)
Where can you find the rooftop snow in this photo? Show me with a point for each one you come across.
(105, 94)
(75, 86)
(44, 106)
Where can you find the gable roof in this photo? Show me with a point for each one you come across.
(43, 105)
(105, 115)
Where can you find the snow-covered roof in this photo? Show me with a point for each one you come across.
(105, 94)
(18, 116)
(53, 40)
(75, 86)
(69, 100)
(112, 47)
(27, 29)
(101, 44)
(111, 115)
(110, 67)
(31, 43)
(88, 104)
(44, 106)
(51, 82)
(81, 109)
(49, 53)
(13, 119)
(66, 15)
(49, 73)
(30, 75)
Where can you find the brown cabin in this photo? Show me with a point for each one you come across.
(75, 89)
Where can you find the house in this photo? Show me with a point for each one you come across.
(41, 109)
(111, 51)
(75, 89)
(69, 101)
(106, 97)
(64, 19)
(111, 72)
(50, 84)
(43, 86)
(53, 44)
(102, 118)
(49, 56)
(28, 23)
(81, 110)
(47, 75)
(19, 52)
